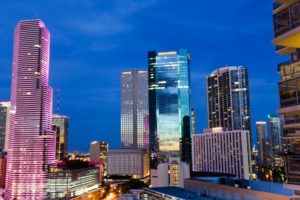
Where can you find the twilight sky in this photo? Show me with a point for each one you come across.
(93, 41)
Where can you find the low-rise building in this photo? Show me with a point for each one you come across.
(71, 183)
(172, 173)
(128, 162)
(238, 189)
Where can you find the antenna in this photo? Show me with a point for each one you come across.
(58, 101)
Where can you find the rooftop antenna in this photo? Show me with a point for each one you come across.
(58, 101)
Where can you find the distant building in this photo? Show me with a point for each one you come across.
(66, 184)
(170, 174)
(128, 162)
(276, 139)
(221, 151)
(134, 108)
(3, 163)
(60, 124)
(228, 99)
(193, 112)
(264, 145)
(98, 153)
(170, 123)
(4, 125)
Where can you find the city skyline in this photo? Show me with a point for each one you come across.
(94, 94)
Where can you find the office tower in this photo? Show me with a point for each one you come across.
(193, 121)
(221, 151)
(264, 145)
(276, 141)
(228, 98)
(31, 139)
(286, 15)
(98, 153)
(128, 162)
(134, 108)
(4, 125)
(60, 124)
(169, 106)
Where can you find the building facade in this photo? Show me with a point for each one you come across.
(264, 145)
(67, 184)
(169, 106)
(286, 16)
(3, 164)
(4, 125)
(31, 139)
(128, 162)
(134, 109)
(171, 174)
(98, 153)
(61, 126)
(228, 98)
(220, 151)
(276, 139)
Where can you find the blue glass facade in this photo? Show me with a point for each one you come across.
(169, 105)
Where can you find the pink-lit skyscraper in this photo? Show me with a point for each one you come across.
(31, 139)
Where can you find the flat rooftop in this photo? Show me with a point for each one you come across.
(262, 186)
(178, 193)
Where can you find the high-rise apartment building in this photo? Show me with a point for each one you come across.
(286, 15)
(134, 109)
(221, 151)
(4, 125)
(169, 106)
(98, 153)
(31, 139)
(228, 98)
(264, 145)
(60, 124)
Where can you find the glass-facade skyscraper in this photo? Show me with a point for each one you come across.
(276, 140)
(228, 98)
(134, 109)
(61, 126)
(169, 106)
(31, 139)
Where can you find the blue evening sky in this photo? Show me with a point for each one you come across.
(93, 41)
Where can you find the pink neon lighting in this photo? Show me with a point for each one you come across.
(31, 139)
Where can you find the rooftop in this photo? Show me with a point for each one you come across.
(263, 186)
(178, 193)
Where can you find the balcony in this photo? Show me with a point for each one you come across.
(287, 26)
(280, 5)
(292, 163)
(285, 50)
(289, 70)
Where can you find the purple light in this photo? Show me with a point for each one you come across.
(31, 139)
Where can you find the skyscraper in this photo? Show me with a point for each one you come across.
(61, 126)
(264, 146)
(228, 98)
(286, 16)
(4, 125)
(31, 139)
(276, 140)
(169, 106)
(134, 109)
